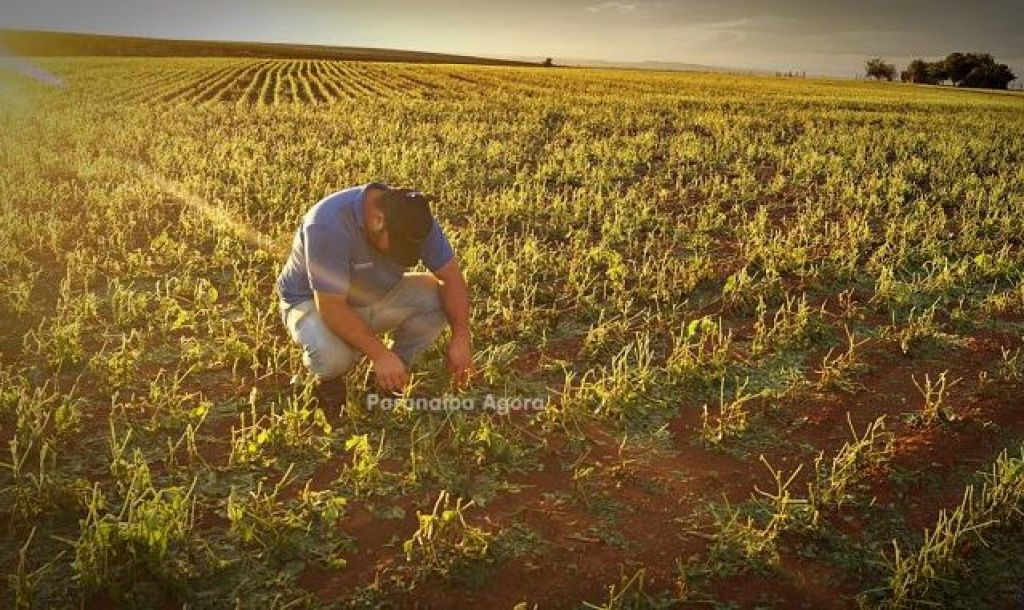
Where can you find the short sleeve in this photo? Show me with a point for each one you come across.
(436, 252)
(327, 259)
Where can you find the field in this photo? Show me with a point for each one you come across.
(778, 324)
(35, 43)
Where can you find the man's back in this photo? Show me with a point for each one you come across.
(332, 254)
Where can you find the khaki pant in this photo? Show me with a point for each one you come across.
(412, 310)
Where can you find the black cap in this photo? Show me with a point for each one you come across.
(408, 220)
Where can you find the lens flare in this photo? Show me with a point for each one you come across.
(23, 67)
(215, 214)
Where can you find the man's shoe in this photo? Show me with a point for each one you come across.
(331, 395)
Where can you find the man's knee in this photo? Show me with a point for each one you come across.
(428, 317)
(436, 319)
(422, 328)
(325, 355)
(422, 292)
(328, 362)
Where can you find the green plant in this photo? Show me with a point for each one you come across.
(19, 292)
(306, 527)
(1011, 368)
(837, 369)
(630, 593)
(294, 426)
(364, 472)
(833, 478)
(30, 493)
(739, 544)
(151, 526)
(731, 419)
(623, 391)
(786, 512)
(23, 581)
(920, 329)
(444, 542)
(934, 393)
(793, 325)
(915, 576)
(700, 352)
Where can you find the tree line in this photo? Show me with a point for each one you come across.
(978, 70)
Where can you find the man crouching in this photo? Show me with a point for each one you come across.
(346, 281)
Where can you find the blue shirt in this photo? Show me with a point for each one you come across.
(331, 253)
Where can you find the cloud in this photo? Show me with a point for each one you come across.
(621, 7)
(729, 32)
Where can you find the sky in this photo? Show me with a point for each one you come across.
(827, 37)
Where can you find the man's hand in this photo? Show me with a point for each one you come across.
(460, 361)
(392, 376)
(455, 302)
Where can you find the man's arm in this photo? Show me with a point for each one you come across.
(327, 256)
(344, 322)
(454, 293)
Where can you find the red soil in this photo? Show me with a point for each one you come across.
(663, 493)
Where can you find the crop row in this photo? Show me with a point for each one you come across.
(268, 82)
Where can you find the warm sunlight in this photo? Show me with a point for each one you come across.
(633, 304)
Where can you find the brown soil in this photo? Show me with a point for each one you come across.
(662, 495)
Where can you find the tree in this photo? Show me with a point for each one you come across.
(918, 72)
(970, 70)
(988, 76)
(924, 72)
(548, 62)
(937, 72)
(962, 69)
(878, 69)
(959, 65)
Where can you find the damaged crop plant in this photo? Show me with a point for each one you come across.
(772, 329)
